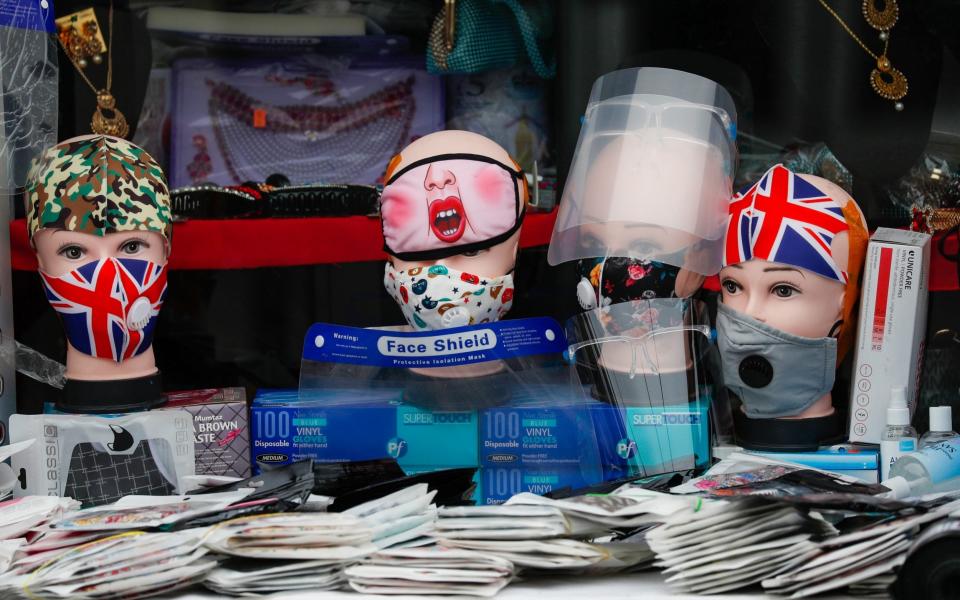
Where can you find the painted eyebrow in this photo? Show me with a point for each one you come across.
(773, 269)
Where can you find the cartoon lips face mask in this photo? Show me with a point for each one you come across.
(450, 204)
(109, 307)
(438, 297)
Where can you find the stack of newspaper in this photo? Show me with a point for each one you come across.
(572, 534)
(629, 507)
(725, 546)
(298, 551)
(431, 570)
(865, 559)
(125, 565)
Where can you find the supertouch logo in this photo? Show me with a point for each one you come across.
(396, 447)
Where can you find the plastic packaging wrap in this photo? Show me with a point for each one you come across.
(647, 360)
(494, 396)
(28, 80)
(98, 460)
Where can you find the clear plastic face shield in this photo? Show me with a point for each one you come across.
(654, 360)
(652, 173)
(495, 395)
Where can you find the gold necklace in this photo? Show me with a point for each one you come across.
(885, 80)
(112, 122)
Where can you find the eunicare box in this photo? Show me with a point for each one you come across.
(892, 326)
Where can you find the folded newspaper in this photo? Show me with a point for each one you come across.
(725, 546)
(430, 570)
(125, 565)
(300, 551)
(864, 559)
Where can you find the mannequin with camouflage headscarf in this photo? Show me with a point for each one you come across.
(98, 216)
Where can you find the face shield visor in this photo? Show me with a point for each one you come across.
(652, 172)
(648, 359)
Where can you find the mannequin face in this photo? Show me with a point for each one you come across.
(60, 252)
(783, 296)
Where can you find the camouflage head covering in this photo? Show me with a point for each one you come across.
(97, 184)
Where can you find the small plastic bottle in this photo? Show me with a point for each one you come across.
(899, 437)
(941, 426)
(935, 468)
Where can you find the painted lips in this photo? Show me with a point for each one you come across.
(448, 219)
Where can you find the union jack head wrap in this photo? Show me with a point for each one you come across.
(784, 218)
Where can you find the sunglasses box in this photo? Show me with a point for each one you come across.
(220, 426)
(360, 426)
(221, 429)
(891, 328)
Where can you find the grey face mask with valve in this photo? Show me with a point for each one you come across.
(774, 373)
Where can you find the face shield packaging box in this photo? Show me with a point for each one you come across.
(286, 429)
(892, 325)
(220, 429)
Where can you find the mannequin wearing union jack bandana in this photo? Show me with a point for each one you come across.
(794, 250)
(98, 214)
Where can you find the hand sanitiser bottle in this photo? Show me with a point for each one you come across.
(935, 468)
(899, 437)
(941, 426)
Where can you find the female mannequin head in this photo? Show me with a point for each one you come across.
(451, 212)
(98, 216)
(794, 250)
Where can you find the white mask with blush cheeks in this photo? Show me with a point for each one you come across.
(450, 204)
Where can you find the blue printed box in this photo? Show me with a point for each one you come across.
(286, 429)
(651, 440)
(597, 437)
(498, 484)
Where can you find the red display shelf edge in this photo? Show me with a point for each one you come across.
(258, 243)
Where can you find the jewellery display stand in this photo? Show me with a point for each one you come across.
(809, 48)
(131, 68)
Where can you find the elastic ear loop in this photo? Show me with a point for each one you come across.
(835, 330)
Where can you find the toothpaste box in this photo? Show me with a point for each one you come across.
(891, 328)
(368, 426)
(220, 429)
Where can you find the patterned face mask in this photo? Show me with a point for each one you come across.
(618, 280)
(109, 307)
(438, 297)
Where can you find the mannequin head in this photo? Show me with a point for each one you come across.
(794, 250)
(98, 216)
(451, 214)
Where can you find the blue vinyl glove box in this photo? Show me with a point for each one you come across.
(286, 429)
(623, 441)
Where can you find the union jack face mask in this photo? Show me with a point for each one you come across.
(109, 307)
(784, 218)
